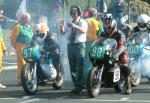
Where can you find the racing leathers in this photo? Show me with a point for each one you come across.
(49, 45)
(122, 55)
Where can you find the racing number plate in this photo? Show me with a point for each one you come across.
(97, 52)
(27, 52)
(116, 75)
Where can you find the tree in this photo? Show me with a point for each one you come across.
(1, 3)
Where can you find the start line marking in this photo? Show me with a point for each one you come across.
(28, 101)
(5, 68)
(6, 98)
(121, 100)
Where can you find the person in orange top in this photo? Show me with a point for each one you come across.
(2, 48)
(21, 37)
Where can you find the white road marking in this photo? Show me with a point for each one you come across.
(9, 68)
(124, 99)
(32, 100)
(4, 62)
(6, 98)
(63, 97)
(129, 101)
(26, 97)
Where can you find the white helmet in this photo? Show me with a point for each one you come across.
(108, 15)
(143, 18)
(142, 21)
(122, 21)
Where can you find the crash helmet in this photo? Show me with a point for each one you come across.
(110, 25)
(108, 15)
(148, 25)
(122, 22)
(41, 29)
(142, 21)
(50, 38)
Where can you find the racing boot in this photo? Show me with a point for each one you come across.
(128, 86)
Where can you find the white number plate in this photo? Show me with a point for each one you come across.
(116, 75)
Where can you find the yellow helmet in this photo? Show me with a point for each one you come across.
(41, 28)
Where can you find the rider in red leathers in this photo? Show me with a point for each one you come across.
(111, 31)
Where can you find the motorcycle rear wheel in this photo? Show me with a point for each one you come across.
(135, 79)
(93, 84)
(59, 81)
(29, 84)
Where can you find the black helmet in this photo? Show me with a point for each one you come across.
(50, 38)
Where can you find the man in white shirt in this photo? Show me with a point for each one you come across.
(76, 46)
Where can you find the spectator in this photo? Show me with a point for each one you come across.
(86, 13)
(2, 47)
(76, 46)
(93, 27)
(117, 8)
(21, 37)
(101, 6)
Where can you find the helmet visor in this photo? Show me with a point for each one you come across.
(142, 25)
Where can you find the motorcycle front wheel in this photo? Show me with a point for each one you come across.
(93, 83)
(29, 83)
(59, 81)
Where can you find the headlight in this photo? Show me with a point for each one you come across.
(107, 52)
(146, 50)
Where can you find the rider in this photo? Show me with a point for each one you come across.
(117, 8)
(142, 21)
(148, 25)
(42, 30)
(111, 31)
(3, 48)
(124, 26)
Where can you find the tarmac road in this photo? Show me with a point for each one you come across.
(15, 94)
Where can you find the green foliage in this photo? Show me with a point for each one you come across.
(1, 2)
(148, 1)
(82, 3)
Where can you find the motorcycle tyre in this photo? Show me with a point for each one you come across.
(135, 81)
(24, 80)
(57, 84)
(93, 92)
